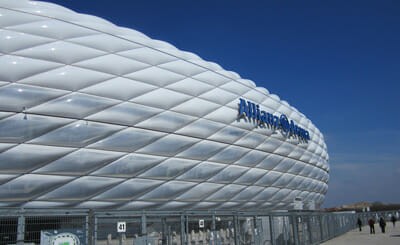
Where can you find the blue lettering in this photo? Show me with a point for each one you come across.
(292, 131)
(243, 107)
(251, 110)
(284, 123)
(264, 116)
(297, 130)
(306, 135)
(276, 122)
(301, 132)
(270, 119)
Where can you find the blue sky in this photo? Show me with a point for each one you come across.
(338, 62)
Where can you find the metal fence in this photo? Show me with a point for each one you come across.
(81, 227)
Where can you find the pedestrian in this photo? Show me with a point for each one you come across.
(371, 223)
(393, 219)
(382, 224)
(359, 223)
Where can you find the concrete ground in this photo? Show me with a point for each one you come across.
(355, 237)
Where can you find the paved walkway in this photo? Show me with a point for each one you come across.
(355, 237)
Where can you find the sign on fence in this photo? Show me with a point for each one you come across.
(201, 223)
(121, 226)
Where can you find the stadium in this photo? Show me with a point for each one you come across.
(97, 116)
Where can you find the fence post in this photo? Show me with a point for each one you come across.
(271, 229)
(236, 228)
(187, 230)
(169, 237)
(88, 233)
(336, 227)
(321, 228)
(330, 226)
(95, 231)
(183, 229)
(213, 234)
(256, 231)
(309, 230)
(285, 230)
(295, 229)
(304, 229)
(143, 223)
(21, 230)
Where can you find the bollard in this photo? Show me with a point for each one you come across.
(122, 238)
(109, 239)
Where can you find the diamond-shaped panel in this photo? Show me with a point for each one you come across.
(13, 41)
(75, 105)
(28, 186)
(66, 77)
(77, 134)
(81, 188)
(129, 166)
(60, 52)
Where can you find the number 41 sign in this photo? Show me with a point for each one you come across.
(121, 227)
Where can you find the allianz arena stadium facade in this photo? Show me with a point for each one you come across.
(97, 116)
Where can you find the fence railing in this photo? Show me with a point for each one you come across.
(81, 227)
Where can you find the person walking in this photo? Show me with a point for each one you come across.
(382, 224)
(393, 219)
(371, 223)
(359, 223)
